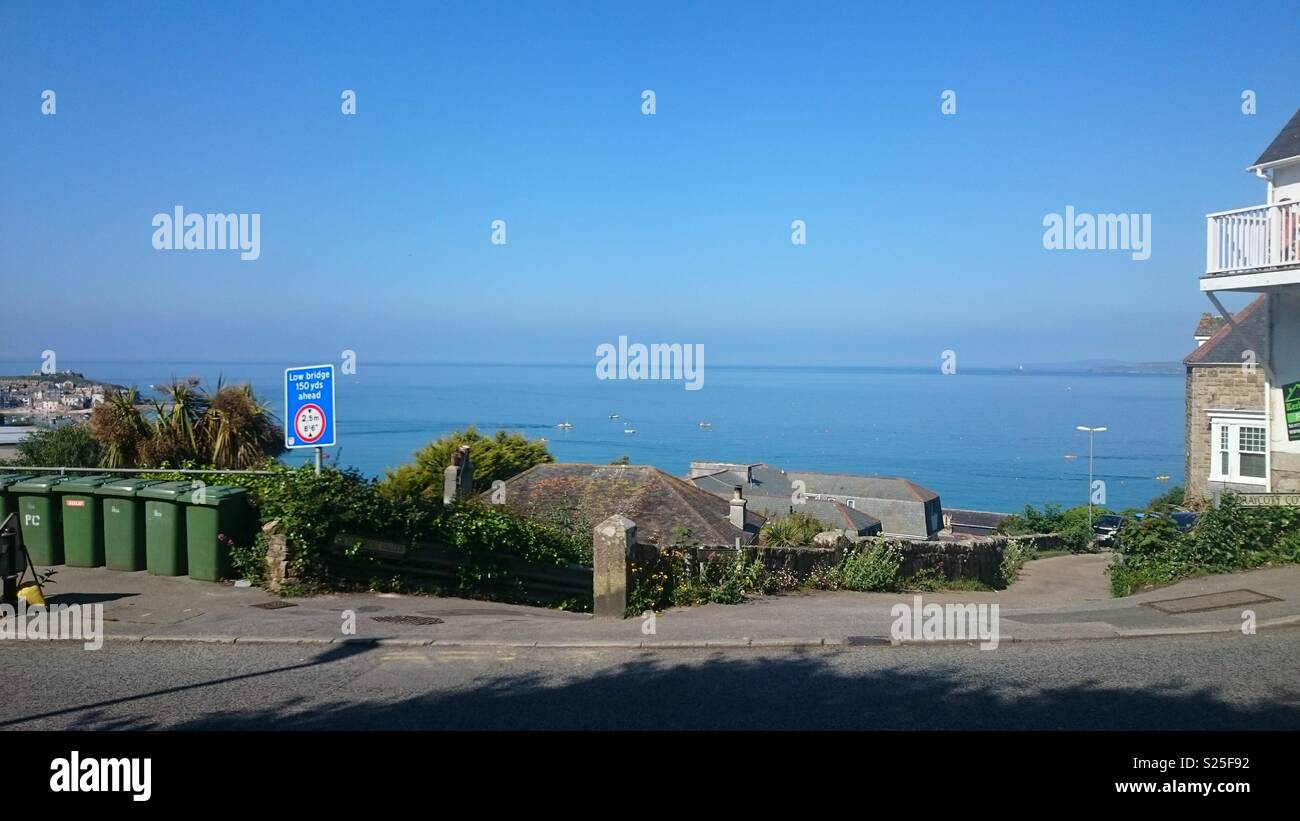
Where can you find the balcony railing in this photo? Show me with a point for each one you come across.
(1252, 239)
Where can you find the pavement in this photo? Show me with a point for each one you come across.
(1056, 599)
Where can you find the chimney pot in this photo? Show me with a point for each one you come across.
(737, 513)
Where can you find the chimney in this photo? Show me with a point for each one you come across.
(1206, 328)
(737, 515)
(458, 478)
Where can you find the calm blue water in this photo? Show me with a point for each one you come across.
(982, 439)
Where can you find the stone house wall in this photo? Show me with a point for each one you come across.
(1214, 386)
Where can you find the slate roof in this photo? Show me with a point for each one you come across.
(772, 481)
(835, 515)
(1208, 325)
(1227, 344)
(658, 502)
(1285, 145)
(868, 487)
(973, 519)
(757, 478)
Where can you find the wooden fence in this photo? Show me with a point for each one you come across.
(455, 571)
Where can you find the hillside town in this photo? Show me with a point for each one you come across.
(52, 395)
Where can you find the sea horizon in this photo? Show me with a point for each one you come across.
(984, 438)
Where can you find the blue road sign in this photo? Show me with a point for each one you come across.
(309, 407)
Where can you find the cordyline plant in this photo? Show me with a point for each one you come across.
(224, 428)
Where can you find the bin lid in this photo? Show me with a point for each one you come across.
(7, 479)
(82, 484)
(171, 491)
(36, 484)
(214, 495)
(125, 487)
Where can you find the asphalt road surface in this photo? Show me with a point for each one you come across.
(1189, 682)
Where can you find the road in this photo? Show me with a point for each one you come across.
(1186, 682)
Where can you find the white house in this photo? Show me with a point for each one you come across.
(1256, 250)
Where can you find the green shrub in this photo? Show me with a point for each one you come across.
(1014, 556)
(69, 446)
(870, 568)
(1229, 537)
(496, 457)
(249, 561)
(1072, 525)
(1171, 499)
(794, 530)
(314, 510)
(675, 579)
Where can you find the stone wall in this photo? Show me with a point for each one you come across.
(1286, 472)
(1213, 386)
(971, 559)
(975, 559)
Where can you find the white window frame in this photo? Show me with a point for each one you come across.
(1228, 424)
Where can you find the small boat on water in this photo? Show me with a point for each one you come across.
(629, 430)
(1071, 456)
(613, 416)
(706, 424)
(564, 425)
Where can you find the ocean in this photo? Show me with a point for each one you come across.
(983, 439)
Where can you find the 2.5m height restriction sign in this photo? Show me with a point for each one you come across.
(309, 407)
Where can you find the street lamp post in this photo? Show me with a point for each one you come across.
(1090, 432)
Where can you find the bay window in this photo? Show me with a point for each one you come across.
(1240, 453)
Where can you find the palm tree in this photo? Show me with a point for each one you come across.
(175, 438)
(118, 426)
(238, 430)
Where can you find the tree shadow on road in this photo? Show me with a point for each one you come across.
(785, 690)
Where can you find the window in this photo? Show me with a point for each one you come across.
(1251, 452)
(1224, 451)
(1241, 448)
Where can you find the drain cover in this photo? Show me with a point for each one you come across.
(407, 619)
(865, 641)
(273, 605)
(1210, 601)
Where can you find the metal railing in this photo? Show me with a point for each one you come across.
(187, 471)
(1249, 239)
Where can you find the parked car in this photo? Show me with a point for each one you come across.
(1105, 527)
(1185, 519)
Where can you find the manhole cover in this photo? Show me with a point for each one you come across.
(273, 605)
(1210, 601)
(407, 619)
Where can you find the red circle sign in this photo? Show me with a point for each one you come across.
(309, 423)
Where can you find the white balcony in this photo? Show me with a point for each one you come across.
(1249, 249)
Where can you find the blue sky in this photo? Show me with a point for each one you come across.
(924, 230)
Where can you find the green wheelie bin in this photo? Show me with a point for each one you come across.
(83, 528)
(9, 501)
(38, 513)
(164, 527)
(123, 515)
(215, 517)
